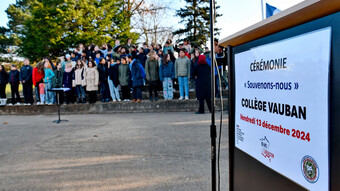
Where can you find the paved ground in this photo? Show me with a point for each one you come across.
(135, 152)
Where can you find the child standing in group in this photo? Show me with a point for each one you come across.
(113, 79)
(182, 72)
(50, 98)
(104, 85)
(137, 78)
(124, 79)
(79, 81)
(152, 76)
(3, 81)
(166, 74)
(14, 80)
(57, 81)
(67, 82)
(38, 75)
(92, 80)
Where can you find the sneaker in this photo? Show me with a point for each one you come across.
(156, 98)
(114, 100)
(151, 98)
(18, 103)
(49, 103)
(180, 98)
(139, 101)
(119, 100)
(10, 104)
(134, 100)
(38, 103)
(186, 97)
(107, 100)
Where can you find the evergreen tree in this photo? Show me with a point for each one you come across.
(196, 19)
(51, 27)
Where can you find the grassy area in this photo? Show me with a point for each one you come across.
(8, 90)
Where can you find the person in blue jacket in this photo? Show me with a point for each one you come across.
(166, 74)
(26, 80)
(49, 74)
(137, 75)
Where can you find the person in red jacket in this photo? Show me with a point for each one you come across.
(38, 77)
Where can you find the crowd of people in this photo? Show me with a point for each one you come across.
(116, 72)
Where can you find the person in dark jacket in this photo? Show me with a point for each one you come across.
(203, 88)
(104, 85)
(124, 77)
(57, 81)
(166, 74)
(3, 81)
(26, 80)
(14, 80)
(137, 78)
(141, 56)
(113, 79)
(151, 72)
(68, 77)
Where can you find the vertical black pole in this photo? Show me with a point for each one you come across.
(231, 119)
(212, 126)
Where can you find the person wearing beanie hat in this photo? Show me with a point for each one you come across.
(203, 87)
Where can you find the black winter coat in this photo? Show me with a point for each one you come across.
(26, 74)
(14, 77)
(3, 78)
(203, 77)
(103, 73)
(114, 74)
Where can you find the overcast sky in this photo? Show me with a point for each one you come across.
(237, 14)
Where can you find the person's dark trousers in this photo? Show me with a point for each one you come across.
(37, 93)
(137, 92)
(201, 105)
(15, 93)
(92, 96)
(153, 85)
(2, 90)
(105, 90)
(69, 96)
(125, 92)
(28, 92)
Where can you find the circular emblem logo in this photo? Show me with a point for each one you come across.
(310, 169)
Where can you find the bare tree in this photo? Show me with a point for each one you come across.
(151, 22)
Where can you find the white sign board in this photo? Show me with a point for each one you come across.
(281, 106)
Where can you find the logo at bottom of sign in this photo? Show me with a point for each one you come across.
(310, 169)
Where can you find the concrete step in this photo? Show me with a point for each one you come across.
(192, 95)
(190, 105)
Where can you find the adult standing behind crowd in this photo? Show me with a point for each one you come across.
(202, 74)
(168, 46)
(3, 81)
(152, 74)
(26, 80)
(182, 73)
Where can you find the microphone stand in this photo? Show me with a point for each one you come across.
(212, 126)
